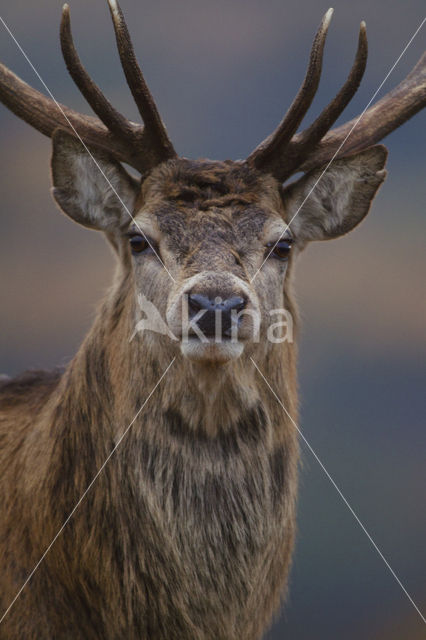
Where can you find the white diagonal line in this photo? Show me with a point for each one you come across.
(357, 121)
(82, 142)
(340, 493)
(83, 495)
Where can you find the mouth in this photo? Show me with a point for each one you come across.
(211, 350)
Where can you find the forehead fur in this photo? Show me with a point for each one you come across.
(211, 198)
(205, 183)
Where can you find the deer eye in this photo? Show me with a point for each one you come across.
(140, 244)
(280, 249)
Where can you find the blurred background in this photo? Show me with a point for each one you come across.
(223, 74)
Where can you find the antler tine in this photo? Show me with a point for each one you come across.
(117, 123)
(305, 141)
(389, 113)
(154, 128)
(269, 152)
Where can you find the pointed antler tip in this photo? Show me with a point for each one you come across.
(325, 22)
(362, 40)
(65, 26)
(113, 5)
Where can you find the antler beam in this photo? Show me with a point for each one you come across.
(43, 114)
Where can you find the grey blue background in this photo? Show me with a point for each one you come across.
(223, 74)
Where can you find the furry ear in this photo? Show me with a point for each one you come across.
(329, 206)
(80, 187)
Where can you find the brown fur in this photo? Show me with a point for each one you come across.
(188, 531)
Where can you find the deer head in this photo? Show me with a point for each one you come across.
(210, 239)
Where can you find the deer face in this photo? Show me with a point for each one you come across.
(210, 244)
(212, 224)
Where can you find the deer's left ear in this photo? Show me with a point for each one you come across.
(94, 190)
(328, 206)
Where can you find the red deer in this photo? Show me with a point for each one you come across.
(187, 531)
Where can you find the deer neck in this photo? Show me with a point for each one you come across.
(116, 378)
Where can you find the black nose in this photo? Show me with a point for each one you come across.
(224, 312)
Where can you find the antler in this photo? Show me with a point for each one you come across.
(143, 147)
(284, 153)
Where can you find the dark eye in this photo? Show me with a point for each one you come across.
(139, 244)
(280, 249)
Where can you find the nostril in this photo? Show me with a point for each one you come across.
(242, 304)
(196, 302)
(237, 303)
(193, 304)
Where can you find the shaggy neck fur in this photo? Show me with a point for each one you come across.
(190, 525)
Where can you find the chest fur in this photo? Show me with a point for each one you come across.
(214, 515)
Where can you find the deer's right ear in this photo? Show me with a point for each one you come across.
(95, 191)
